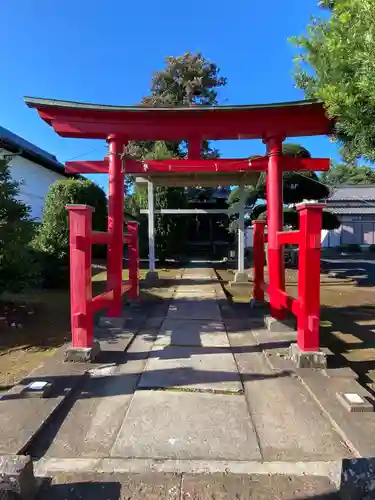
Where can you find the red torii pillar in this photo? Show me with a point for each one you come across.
(275, 219)
(115, 223)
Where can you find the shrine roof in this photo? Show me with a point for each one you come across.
(98, 121)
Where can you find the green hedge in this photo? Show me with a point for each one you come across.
(52, 239)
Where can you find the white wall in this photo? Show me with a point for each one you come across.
(35, 182)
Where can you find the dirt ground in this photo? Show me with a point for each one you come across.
(347, 316)
(34, 325)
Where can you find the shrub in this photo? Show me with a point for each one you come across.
(371, 248)
(52, 238)
(18, 266)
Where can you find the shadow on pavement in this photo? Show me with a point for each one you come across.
(349, 333)
(360, 269)
(90, 490)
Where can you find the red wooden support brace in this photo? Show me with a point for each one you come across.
(82, 323)
(258, 245)
(133, 256)
(308, 319)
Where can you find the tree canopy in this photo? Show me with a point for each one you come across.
(336, 66)
(187, 80)
(344, 173)
(170, 231)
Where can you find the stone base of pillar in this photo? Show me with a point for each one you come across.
(240, 277)
(274, 325)
(152, 276)
(82, 354)
(307, 359)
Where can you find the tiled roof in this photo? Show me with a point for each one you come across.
(363, 210)
(353, 192)
(16, 144)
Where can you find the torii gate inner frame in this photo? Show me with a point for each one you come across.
(272, 123)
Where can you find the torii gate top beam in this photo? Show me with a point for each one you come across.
(97, 121)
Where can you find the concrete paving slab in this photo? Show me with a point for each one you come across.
(241, 487)
(50, 467)
(192, 333)
(289, 424)
(191, 368)
(196, 282)
(195, 288)
(163, 424)
(357, 429)
(156, 486)
(198, 274)
(101, 404)
(112, 487)
(21, 418)
(194, 295)
(205, 309)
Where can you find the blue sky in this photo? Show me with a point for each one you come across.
(105, 52)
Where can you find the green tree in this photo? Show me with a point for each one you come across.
(187, 80)
(336, 66)
(52, 238)
(170, 230)
(345, 173)
(18, 268)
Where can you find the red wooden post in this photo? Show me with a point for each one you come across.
(274, 188)
(82, 323)
(194, 148)
(133, 255)
(308, 320)
(258, 247)
(115, 224)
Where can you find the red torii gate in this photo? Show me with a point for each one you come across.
(271, 122)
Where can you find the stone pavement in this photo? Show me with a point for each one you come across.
(198, 390)
(185, 487)
(194, 391)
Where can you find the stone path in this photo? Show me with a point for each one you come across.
(192, 392)
(209, 418)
